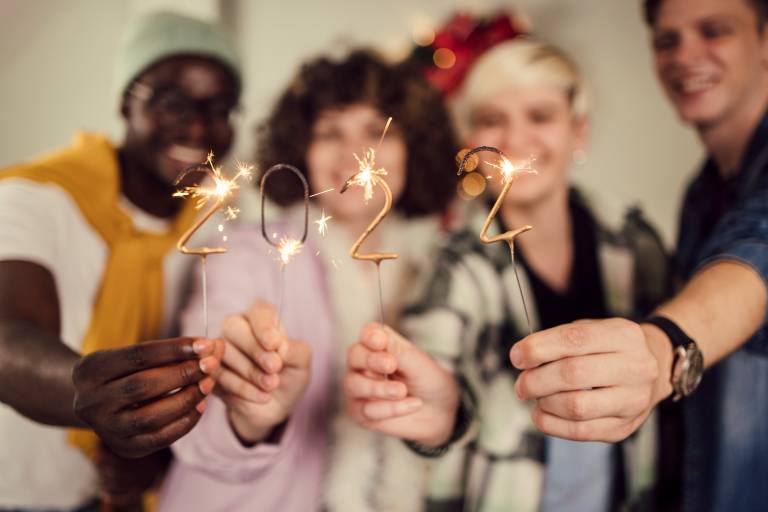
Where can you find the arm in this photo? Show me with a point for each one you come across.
(721, 308)
(35, 365)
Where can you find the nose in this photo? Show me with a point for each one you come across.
(689, 50)
(518, 143)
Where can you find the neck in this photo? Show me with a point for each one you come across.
(140, 186)
(548, 247)
(727, 140)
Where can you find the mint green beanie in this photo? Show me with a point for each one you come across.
(159, 35)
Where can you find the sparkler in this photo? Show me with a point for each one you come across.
(287, 247)
(368, 177)
(221, 190)
(509, 172)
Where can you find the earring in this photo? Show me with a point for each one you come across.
(579, 156)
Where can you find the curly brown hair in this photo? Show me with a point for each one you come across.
(397, 90)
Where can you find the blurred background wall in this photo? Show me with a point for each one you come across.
(56, 71)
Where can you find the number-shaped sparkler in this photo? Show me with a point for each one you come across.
(508, 174)
(368, 177)
(222, 189)
(287, 247)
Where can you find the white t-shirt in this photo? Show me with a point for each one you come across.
(40, 223)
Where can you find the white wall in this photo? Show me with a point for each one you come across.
(56, 58)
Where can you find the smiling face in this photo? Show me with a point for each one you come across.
(176, 112)
(710, 56)
(337, 135)
(525, 122)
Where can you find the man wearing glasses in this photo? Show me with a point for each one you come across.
(88, 266)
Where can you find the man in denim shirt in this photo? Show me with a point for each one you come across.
(599, 380)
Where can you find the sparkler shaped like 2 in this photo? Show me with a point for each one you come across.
(508, 174)
(368, 177)
(222, 189)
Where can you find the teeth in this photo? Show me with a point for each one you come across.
(696, 84)
(187, 154)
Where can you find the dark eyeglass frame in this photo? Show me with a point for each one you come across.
(170, 106)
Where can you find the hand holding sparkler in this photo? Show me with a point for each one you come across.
(264, 373)
(417, 402)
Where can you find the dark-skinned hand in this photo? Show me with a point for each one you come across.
(142, 398)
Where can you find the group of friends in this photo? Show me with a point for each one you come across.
(448, 402)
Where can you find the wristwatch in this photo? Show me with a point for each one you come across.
(687, 362)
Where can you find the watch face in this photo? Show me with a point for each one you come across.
(693, 369)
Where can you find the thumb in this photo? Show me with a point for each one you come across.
(411, 360)
(297, 354)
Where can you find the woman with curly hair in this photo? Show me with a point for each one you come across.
(273, 436)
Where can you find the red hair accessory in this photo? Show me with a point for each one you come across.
(460, 43)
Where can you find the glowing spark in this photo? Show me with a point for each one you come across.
(366, 174)
(323, 192)
(509, 171)
(221, 228)
(221, 189)
(383, 133)
(225, 238)
(322, 223)
(288, 248)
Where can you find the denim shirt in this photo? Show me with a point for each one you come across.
(725, 422)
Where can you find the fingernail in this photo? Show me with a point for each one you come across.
(201, 406)
(206, 386)
(412, 405)
(379, 338)
(393, 391)
(204, 366)
(201, 345)
(515, 357)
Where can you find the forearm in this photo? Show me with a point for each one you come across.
(36, 374)
(721, 307)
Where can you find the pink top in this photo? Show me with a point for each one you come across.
(212, 470)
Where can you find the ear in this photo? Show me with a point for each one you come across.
(763, 36)
(581, 127)
(125, 109)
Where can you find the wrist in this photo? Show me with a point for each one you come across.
(246, 432)
(661, 348)
(443, 435)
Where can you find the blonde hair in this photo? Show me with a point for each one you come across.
(519, 62)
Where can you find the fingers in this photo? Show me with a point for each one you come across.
(608, 430)
(575, 373)
(246, 369)
(107, 365)
(361, 358)
(156, 382)
(230, 383)
(381, 410)
(155, 415)
(261, 350)
(144, 444)
(593, 404)
(575, 339)
(358, 386)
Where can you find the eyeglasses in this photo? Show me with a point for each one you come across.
(172, 107)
